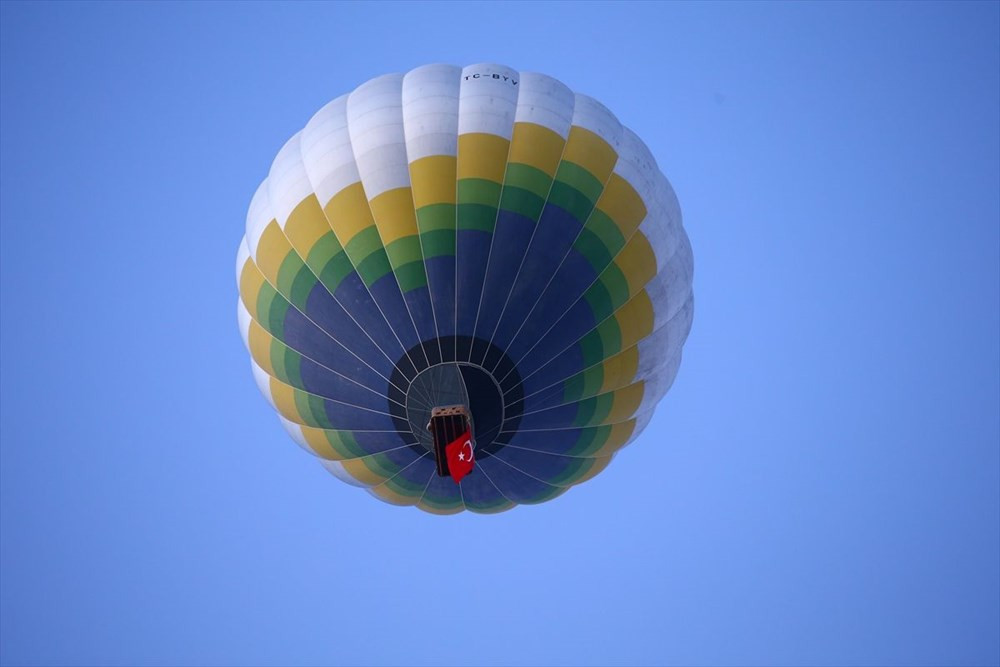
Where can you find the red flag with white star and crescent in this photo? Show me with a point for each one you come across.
(460, 457)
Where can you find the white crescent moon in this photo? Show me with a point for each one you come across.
(469, 443)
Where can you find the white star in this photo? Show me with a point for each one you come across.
(461, 456)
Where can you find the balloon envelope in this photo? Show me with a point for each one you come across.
(470, 235)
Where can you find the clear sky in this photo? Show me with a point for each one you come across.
(819, 487)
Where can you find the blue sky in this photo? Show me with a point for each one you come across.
(821, 485)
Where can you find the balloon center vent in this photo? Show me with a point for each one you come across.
(489, 387)
(455, 383)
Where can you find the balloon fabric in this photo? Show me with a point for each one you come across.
(471, 236)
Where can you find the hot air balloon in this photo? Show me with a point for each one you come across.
(470, 268)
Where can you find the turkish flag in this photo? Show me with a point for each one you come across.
(460, 458)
